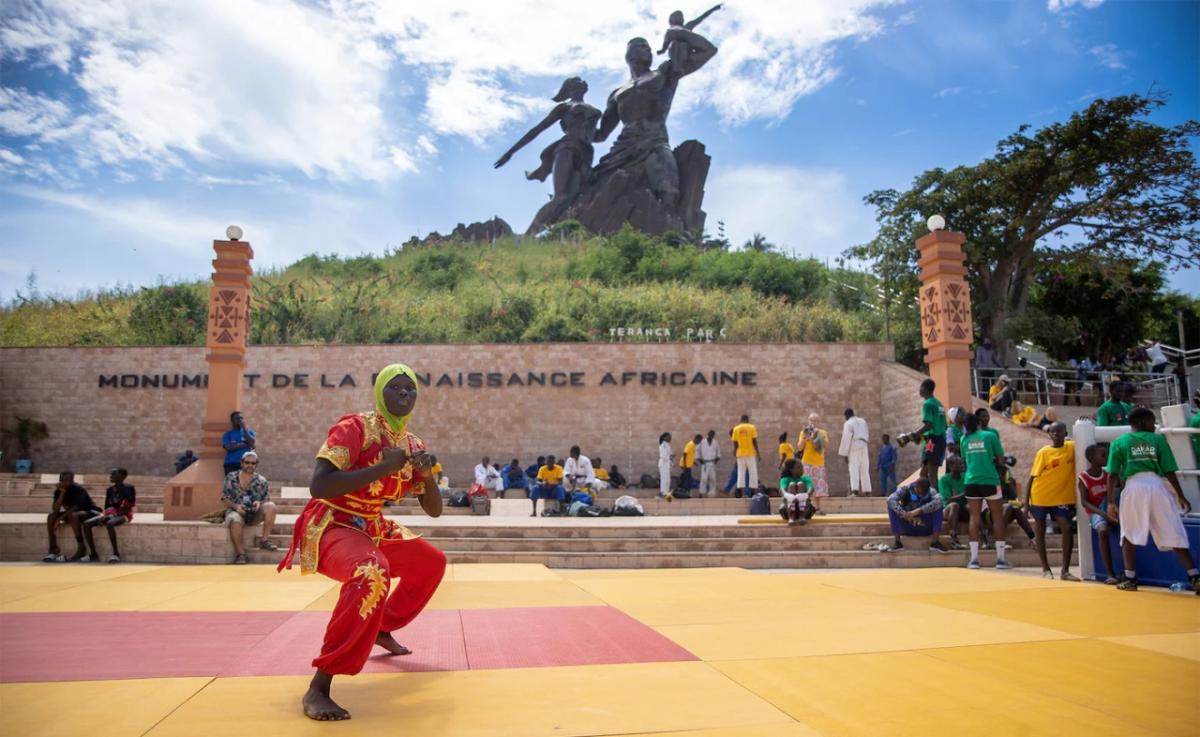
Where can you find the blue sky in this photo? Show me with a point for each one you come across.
(132, 133)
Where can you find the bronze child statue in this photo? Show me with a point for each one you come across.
(674, 40)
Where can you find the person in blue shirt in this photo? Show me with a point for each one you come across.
(237, 442)
(887, 466)
(531, 472)
(514, 477)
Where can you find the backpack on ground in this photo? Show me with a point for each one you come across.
(627, 506)
(481, 504)
(760, 504)
(459, 499)
(648, 482)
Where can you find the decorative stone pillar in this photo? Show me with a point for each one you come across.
(197, 490)
(946, 316)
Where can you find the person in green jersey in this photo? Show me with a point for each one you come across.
(1144, 461)
(952, 490)
(984, 457)
(932, 433)
(794, 487)
(1195, 424)
(1115, 411)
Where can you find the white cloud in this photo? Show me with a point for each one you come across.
(810, 211)
(949, 91)
(1058, 6)
(1108, 55)
(313, 87)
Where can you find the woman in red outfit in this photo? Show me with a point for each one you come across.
(367, 459)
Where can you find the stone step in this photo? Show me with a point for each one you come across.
(546, 545)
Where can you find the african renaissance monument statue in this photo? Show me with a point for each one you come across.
(641, 180)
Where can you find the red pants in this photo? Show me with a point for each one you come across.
(364, 608)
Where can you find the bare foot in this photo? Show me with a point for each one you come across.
(317, 705)
(387, 642)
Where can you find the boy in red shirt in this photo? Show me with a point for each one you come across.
(1093, 493)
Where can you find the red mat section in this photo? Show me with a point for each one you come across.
(80, 646)
(551, 636)
(435, 639)
(114, 645)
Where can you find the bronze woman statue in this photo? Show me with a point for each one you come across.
(569, 158)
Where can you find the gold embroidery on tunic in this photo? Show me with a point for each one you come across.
(337, 455)
(310, 546)
(375, 579)
(372, 429)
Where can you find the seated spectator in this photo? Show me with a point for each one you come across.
(549, 485)
(119, 502)
(514, 477)
(1014, 508)
(1022, 414)
(1001, 395)
(578, 471)
(532, 471)
(794, 488)
(247, 503)
(1093, 495)
(915, 511)
(496, 476)
(71, 506)
(486, 477)
(185, 460)
(952, 492)
(615, 478)
(438, 474)
(601, 472)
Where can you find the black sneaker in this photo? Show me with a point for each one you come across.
(897, 546)
(937, 547)
(1195, 581)
(1127, 584)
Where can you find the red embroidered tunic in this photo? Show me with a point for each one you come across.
(357, 441)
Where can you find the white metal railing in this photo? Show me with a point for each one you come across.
(1036, 384)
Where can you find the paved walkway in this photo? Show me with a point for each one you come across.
(525, 651)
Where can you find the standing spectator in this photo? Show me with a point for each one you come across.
(1144, 461)
(1093, 488)
(1116, 410)
(887, 466)
(986, 364)
(1156, 356)
(578, 471)
(185, 460)
(549, 485)
(687, 462)
(787, 451)
(71, 506)
(119, 502)
(915, 511)
(855, 449)
(811, 446)
(237, 442)
(247, 503)
(745, 439)
(932, 432)
(983, 455)
(710, 455)
(1181, 379)
(957, 418)
(952, 490)
(1052, 492)
(664, 464)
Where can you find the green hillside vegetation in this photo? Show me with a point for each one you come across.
(566, 288)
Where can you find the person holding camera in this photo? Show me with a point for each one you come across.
(247, 503)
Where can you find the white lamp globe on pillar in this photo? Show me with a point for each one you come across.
(936, 222)
(233, 233)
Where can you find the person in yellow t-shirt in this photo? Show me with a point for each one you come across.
(601, 471)
(787, 451)
(549, 484)
(1022, 414)
(745, 438)
(687, 462)
(1051, 491)
(812, 444)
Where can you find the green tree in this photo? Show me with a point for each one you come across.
(168, 315)
(1106, 182)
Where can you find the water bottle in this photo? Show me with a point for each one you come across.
(1180, 586)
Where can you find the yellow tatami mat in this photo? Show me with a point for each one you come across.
(1091, 610)
(92, 708)
(909, 693)
(1184, 645)
(593, 700)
